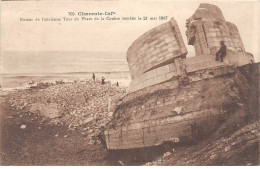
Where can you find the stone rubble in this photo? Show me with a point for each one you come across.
(80, 105)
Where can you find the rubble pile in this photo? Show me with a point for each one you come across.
(79, 105)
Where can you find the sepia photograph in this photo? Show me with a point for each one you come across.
(129, 83)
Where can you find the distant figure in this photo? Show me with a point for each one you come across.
(94, 77)
(221, 52)
(103, 80)
(117, 84)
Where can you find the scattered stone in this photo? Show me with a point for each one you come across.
(110, 114)
(88, 120)
(121, 163)
(227, 148)
(240, 104)
(82, 106)
(253, 131)
(213, 156)
(91, 142)
(166, 154)
(178, 109)
(23, 126)
(65, 136)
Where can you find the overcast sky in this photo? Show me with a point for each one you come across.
(110, 35)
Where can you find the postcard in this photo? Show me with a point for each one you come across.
(129, 83)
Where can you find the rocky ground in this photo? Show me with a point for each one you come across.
(56, 125)
(62, 124)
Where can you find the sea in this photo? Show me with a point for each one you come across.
(18, 69)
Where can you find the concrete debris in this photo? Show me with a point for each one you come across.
(23, 126)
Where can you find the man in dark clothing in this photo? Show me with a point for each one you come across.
(221, 52)
(93, 77)
(117, 84)
(103, 80)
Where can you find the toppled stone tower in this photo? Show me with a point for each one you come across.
(172, 98)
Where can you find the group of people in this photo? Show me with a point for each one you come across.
(102, 79)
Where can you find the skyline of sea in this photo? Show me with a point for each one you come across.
(62, 62)
(19, 68)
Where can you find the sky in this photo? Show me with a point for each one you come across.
(110, 36)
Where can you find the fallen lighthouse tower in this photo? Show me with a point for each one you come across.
(174, 98)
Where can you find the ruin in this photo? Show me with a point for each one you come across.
(207, 27)
(166, 97)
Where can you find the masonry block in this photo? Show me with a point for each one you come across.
(162, 70)
(159, 79)
(150, 74)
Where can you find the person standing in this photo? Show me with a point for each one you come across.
(221, 53)
(94, 77)
(102, 80)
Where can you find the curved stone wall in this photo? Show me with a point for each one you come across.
(160, 54)
(207, 27)
(157, 47)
